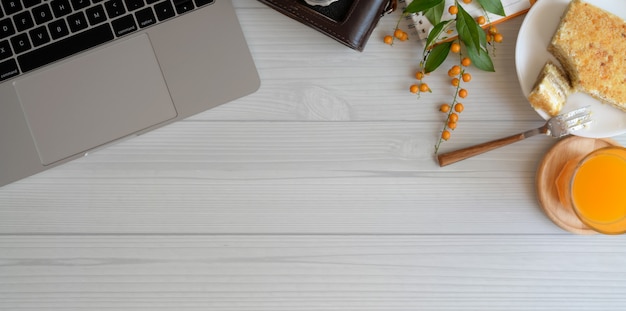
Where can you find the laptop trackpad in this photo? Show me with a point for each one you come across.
(95, 99)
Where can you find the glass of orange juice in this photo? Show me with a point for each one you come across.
(597, 190)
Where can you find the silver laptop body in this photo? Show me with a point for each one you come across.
(146, 77)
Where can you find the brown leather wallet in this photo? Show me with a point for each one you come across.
(350, 22)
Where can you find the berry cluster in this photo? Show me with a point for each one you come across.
(397, 34)
(421, 86)
(459, 75)
(438, 47)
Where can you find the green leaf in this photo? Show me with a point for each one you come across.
(481, 60)
(469, 30)
(421, 5)
(437, 55)
(436, 31)
(435, 13)
(493, 6)
(482, 37)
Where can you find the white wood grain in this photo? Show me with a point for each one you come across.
(318, 192)
(295, 60)
(331, 143)
(312, 273)
(255, 177)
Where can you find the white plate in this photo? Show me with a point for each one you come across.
(531, 54)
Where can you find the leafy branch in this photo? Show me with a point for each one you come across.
(469, 32)
(472, 46)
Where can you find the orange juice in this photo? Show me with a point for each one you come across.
(598, 190)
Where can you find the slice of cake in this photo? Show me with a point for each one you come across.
(590, 44)
(550, 90)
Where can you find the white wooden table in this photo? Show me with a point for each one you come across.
(318, 192)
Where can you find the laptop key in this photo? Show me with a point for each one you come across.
(39, 36)
(132, 5)
(5, 49)
(20, 43)
(60, 8)
(58, 29)
(77, 21)
(164, 10)
(114, 8)
(124, 25)
(6, 28)
(30, 3)
(183, 6)
(11, 6)
(8, 69)
(145, 17)
(96, 15)
(66, 47)
(23, 21)
(80, 4)
(42, 14)
(200, 3)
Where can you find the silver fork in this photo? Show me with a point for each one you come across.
(557, 126)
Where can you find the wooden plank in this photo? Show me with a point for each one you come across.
(312, 273)
(286, 177)
(332, 161)
(320, 79)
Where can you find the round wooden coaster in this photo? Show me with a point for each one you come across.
(550, 167)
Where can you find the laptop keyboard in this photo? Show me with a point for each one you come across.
(34, 33)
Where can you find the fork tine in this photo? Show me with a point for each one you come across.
(574, 113)
(575, 120)
(568, 122)
(579, 125)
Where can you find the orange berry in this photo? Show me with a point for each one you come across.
(404, 36)
(455, 82)
(459, 107)
(455, 47)
(452, 125)
(498, 37)
(466, 61)
(462, 93)
(489, 38)
(455, 70)
(444, 108)
(453, 117)
(481, 20)
(467, 1)
(453, 9)
(445, 135)
(493, 30)
(398, 33)
(467, 77)
(388, 40)
(414, 88)
(424, 87)
(419, 75)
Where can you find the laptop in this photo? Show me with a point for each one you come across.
(78, 75)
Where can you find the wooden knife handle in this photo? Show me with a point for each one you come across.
(462, 154)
